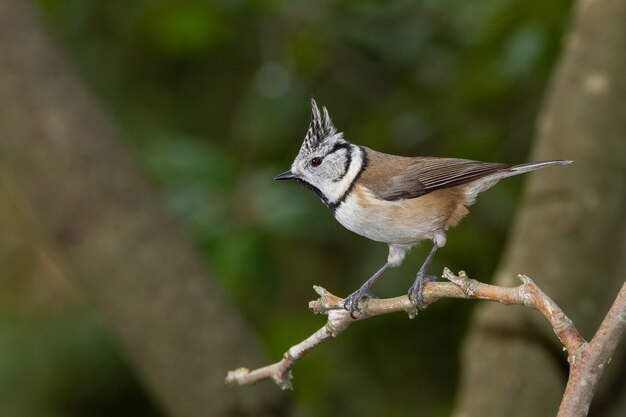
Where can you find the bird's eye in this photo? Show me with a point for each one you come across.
(315, 162)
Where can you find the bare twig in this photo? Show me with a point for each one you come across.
(527, 294)
(588, 362)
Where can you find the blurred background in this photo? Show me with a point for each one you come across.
(212, 98)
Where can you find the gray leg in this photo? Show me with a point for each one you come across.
(351, 302)
(416, 292)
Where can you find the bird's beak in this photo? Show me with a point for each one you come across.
(287, 175)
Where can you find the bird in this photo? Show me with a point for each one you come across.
(397, 200)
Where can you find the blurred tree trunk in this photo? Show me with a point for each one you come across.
(569, 234)
(110, 233)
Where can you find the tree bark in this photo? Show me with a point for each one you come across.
(569, 234)
(110, 233)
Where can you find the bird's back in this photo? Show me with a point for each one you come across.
(403, 200)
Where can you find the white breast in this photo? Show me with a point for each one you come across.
(392, 222)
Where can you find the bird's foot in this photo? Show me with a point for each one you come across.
(351, 302)
(416, 292)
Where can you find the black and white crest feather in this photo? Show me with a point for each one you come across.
(321, 127)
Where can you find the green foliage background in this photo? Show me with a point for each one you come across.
(213, 99)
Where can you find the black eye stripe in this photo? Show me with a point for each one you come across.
(339, 146)
(317, 161)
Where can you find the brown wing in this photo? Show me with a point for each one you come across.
(406, 178)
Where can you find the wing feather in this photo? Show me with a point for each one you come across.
(424, 175)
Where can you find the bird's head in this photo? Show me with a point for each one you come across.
(324, 159)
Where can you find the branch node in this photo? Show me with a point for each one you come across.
(525, 279)
(412, 311)
(338, 321)
(283, 381)
(233, 376)
(319, 290)
(467, 285)
(326, 302)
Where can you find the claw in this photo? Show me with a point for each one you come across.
(351, 302)
(416, 292)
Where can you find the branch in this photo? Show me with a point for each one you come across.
(526, 294)
(588, 363)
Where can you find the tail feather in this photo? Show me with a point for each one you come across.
(531, 166)
(489, 181)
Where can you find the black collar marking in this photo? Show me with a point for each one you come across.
(334, 206)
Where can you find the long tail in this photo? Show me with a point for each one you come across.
(531, 166)
(490, 180)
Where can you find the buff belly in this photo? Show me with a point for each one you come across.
(403, 222)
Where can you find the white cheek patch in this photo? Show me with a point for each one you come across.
(337, 190)
(337, 169)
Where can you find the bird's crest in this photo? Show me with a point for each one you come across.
(321, 128)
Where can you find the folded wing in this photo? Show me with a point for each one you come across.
(430, 174)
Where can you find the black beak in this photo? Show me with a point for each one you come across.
(287, 175)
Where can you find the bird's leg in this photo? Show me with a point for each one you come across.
(416, 292)
(351, 302)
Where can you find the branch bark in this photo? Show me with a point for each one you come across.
(110, 233)
(527, 294)
(589, 362)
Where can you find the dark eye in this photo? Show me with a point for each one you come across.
(315, 162)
